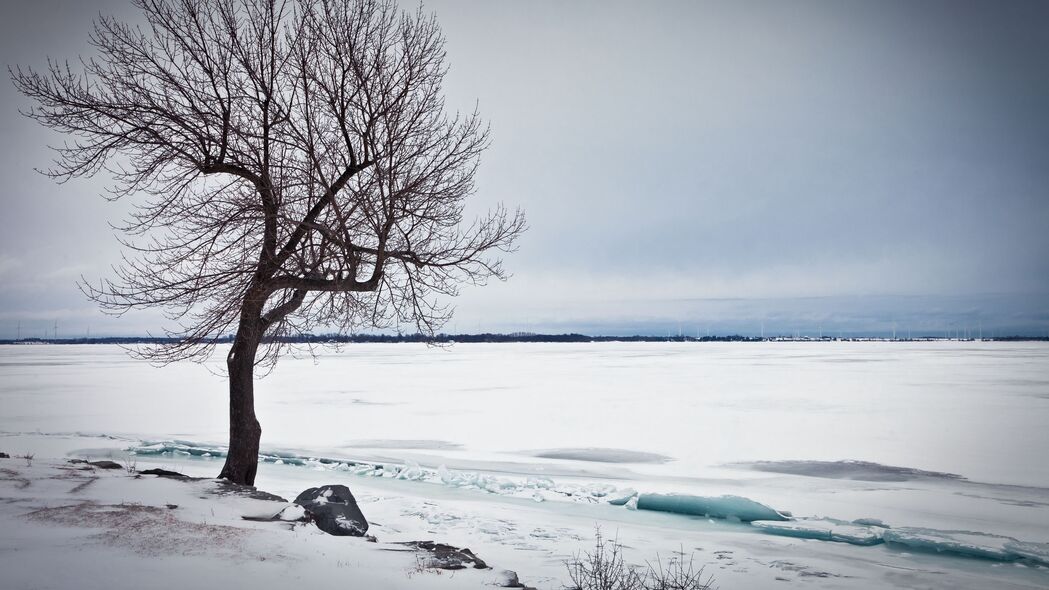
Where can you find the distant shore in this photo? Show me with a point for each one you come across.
(520, 337)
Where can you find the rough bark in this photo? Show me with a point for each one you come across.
(245, 432)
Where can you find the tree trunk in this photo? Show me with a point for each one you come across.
(242, 460)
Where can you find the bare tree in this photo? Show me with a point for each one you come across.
(293, 166)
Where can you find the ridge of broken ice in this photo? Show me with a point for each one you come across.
(926, 540)
(761, 517)
(535, 488)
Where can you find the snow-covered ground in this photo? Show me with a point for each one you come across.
(515, 450)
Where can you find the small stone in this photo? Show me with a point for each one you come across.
(508, 579)
(447, 557)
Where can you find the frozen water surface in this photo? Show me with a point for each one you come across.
(943, 441)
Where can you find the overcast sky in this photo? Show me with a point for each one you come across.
(683, 165)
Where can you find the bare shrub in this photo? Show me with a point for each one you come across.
(677, 574)
(130, 464)
(604, 568)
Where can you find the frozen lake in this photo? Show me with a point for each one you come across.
(940, 435)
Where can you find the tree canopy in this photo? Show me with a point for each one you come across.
(293, 165)
(294, 155)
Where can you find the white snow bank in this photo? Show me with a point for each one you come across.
(66, 526)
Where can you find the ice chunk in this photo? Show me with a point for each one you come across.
(871, 522)
(598, 490)
(470, 479)
(621, 497)
(411, 471)
(447, 476)
(540, 483)
(825, 529)
(968, 543)
(496, 485)
(728, 507)
(1038, 552)
(176, 447)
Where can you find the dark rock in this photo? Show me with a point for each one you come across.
(334, 510)
(163, 473)
(4, 456)
(100, 464)
(171, 506)
(447, 557)
(509, 579)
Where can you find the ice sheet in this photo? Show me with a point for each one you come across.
(408, 410)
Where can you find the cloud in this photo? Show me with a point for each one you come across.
(8, 264)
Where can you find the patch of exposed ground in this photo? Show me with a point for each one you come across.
(146, 530)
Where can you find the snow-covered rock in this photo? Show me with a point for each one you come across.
(334, 510)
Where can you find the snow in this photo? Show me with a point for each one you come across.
(99, 530)
(519, 451)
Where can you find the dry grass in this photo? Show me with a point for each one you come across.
(146, 530)
(14, 476)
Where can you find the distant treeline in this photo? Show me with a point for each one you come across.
(489, 338)
(395, 338)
